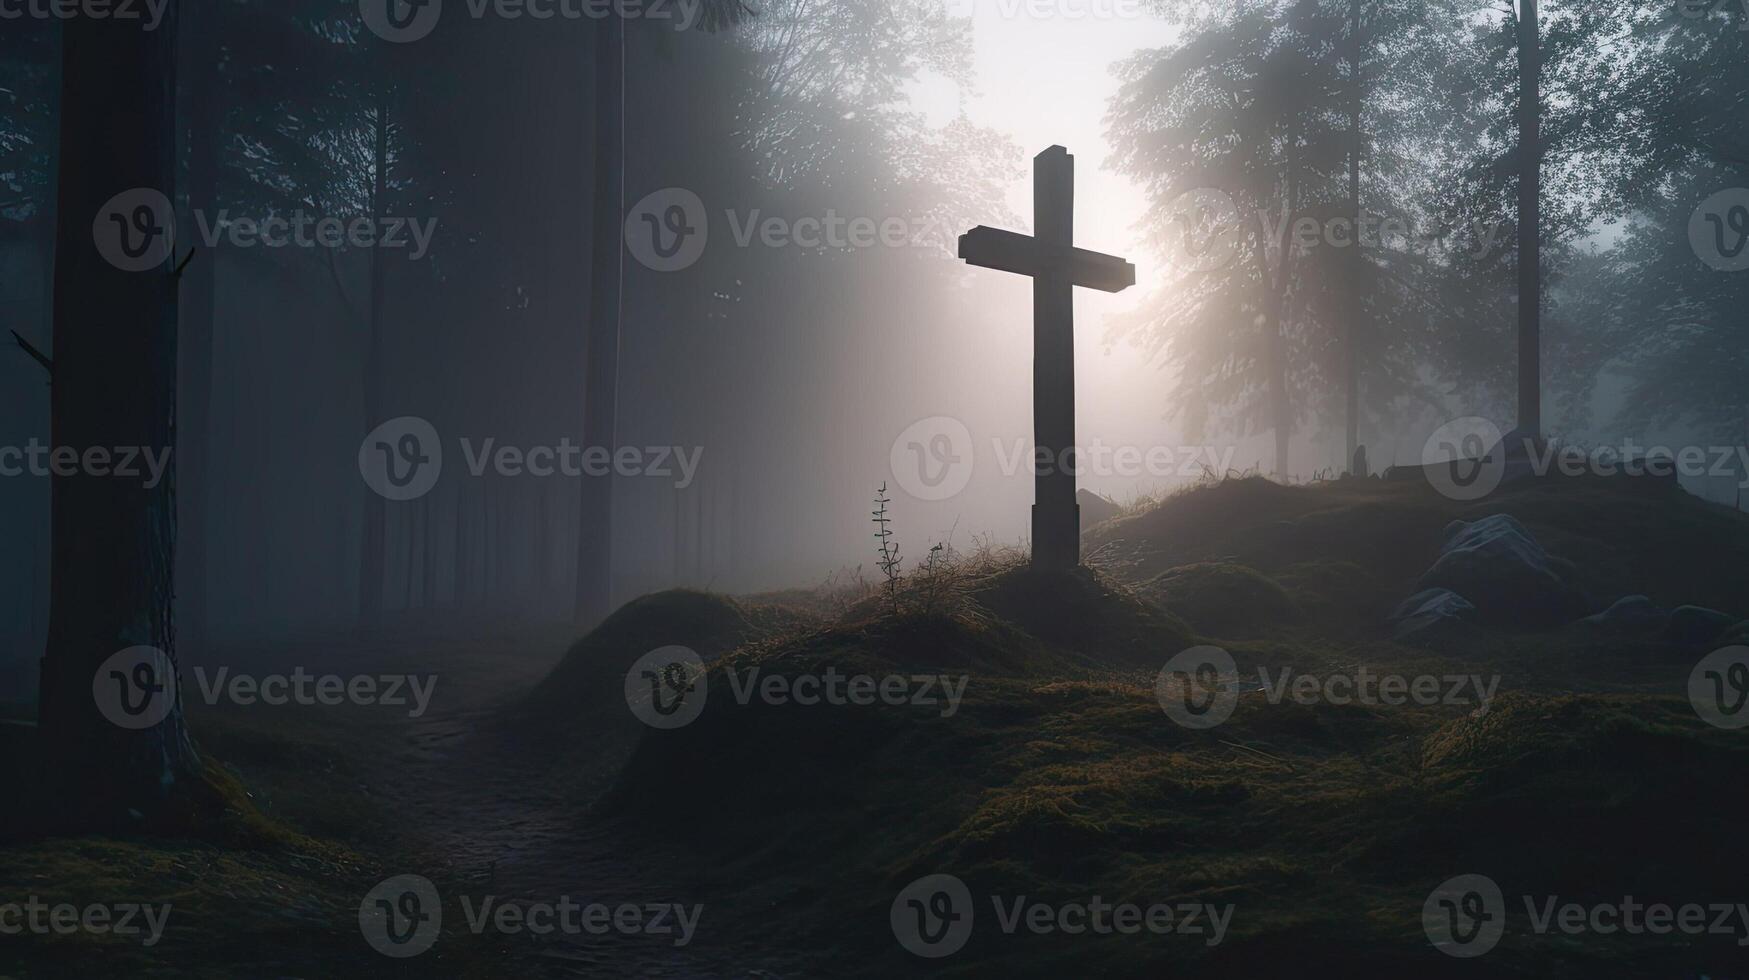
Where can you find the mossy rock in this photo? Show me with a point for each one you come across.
(1222, 598)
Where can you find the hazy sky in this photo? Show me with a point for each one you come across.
(1044, 76)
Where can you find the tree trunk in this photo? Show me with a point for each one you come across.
(113, 539)
(607, 259)
(1281, 410)
(428, 555)
(1529, 222)
(1357, 258)
(373, 543)
(199, 312)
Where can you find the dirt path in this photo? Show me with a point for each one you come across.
(486, 805)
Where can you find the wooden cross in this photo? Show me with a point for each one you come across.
(1056, 267)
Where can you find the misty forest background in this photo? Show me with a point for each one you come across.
(794, 368)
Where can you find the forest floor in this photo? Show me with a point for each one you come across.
(1319, 829)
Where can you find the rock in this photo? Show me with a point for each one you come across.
(1696, 625)
(1095, 509)
(1634, 614)
(1498, 566)
(1432, 613)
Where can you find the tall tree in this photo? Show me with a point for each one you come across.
(114, 539)
(606, 284)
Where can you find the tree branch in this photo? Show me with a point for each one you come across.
(35, 354)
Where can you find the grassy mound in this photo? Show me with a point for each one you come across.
(1222, 598)
(1348, 551)
(592, 671)
(1082, 611)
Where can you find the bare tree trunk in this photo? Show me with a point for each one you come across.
(113, 540)
(607, 260)
(1529, 221)
(1281, 409)
(428, 567)
(1357, 308)
(374, 541)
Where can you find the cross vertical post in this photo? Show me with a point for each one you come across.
(1056, 267)
(1056, 517)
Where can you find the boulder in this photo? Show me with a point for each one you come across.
(1695, 625)
(1095, 509)
(1433, 614)
(1498, 566)
(1633, 614)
